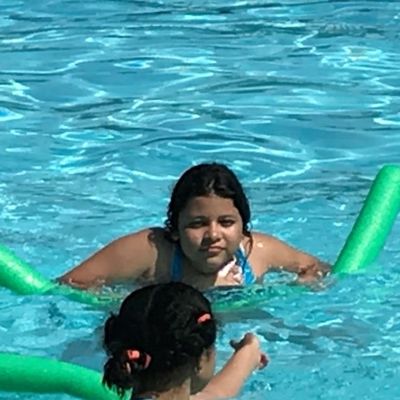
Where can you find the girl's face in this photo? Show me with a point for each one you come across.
(210, 230)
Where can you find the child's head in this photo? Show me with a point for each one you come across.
(208, 179)
(163, 335)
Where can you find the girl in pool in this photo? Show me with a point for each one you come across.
(161, 345)
(206, 241)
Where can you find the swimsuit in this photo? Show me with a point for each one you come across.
(240, 257)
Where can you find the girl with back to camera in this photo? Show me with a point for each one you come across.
(206, 241)
(161, 345)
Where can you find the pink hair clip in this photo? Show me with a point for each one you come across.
(136, 355)
(203, 318)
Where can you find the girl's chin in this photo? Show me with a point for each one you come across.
(213, 266)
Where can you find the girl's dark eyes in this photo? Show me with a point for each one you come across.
(198, 224)
(227, 222)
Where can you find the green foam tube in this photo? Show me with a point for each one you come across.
(30, 374)
(22, 278)
(19, 276)
(363, 245)
(373, 224)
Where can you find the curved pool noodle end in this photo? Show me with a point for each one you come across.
(19, 276)
(373, 224)
(22, 278)
(32, 374)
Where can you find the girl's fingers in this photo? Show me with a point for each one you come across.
(234, 344)
(263, 360)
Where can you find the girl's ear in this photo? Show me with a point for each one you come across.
(204, 371)
(206, 358)
(175, 236)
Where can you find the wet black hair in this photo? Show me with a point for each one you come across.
(161, 323)
(204, 180)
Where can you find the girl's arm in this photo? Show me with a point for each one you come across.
(229, 381)
(126, 258)
(273, 254)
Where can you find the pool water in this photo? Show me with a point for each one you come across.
(103, 104)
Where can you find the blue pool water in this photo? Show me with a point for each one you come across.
(103, 104)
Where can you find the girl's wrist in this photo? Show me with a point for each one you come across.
(250, 356)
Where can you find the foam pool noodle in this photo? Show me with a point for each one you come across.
(20, 277)
(373, 224)
(361, 248)
(31, 374)
(41, 375)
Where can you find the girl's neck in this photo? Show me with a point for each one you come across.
(192, 275)
(179, 393)
(202, 281)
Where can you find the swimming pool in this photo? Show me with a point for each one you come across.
(104, 103)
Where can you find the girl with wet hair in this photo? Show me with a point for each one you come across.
(161, 345)
(206, 241)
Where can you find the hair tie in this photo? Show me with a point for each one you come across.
(141, 360)
(203, 318)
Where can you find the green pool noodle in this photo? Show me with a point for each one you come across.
(21, 278)
(41, 375)
(30, 374)
(361, 248)
(373, 224)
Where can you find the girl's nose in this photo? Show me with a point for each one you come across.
(213, 231)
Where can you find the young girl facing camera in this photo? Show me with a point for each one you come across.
(161, 345)
(206, 241)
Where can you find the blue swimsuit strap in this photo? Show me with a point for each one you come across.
(243, 262)
(176, 265)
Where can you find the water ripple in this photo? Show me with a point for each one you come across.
(103, 104)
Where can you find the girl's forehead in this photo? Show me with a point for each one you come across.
(210, 205)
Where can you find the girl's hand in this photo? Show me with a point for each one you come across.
(228, 382)
(230, 275)
(250, 344)
(312, 273)
(97, 283)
